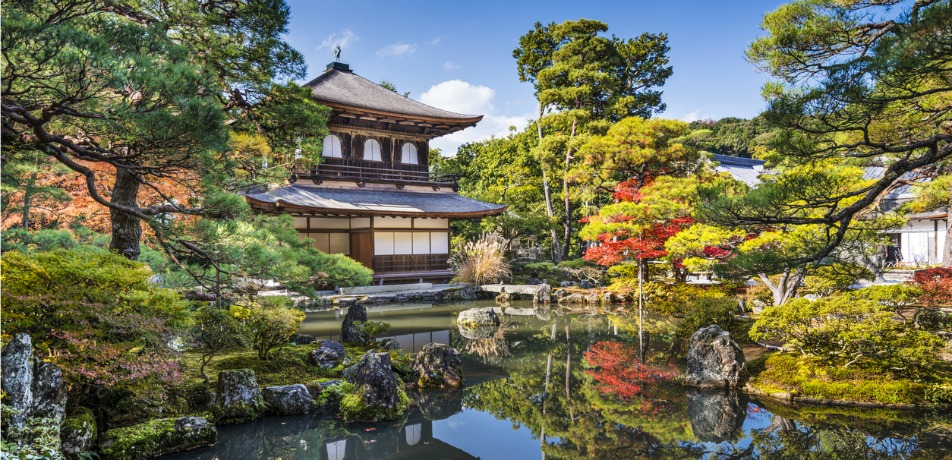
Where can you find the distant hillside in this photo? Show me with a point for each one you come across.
(733, 136)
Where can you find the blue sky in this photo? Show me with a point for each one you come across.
(458, 55)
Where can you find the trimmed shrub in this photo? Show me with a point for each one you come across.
(847, 332)
(809, 377)
(827, 280)
(107, 323)
(896, 297)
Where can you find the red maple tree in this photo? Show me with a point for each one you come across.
(617, 372)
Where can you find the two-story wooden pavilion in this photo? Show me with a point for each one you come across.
(373, 197)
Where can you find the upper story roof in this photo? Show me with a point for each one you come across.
(354, 97)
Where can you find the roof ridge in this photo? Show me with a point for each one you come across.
(348, 92)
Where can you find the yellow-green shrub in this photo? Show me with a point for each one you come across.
(269, 325)
(849, 332)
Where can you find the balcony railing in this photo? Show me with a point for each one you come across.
(364, 173)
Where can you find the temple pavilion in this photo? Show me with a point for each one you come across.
(373, 197)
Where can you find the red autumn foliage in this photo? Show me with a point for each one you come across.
(617, 372)
(80, 208)
(627, 191)
(936, 284)
(648, 245)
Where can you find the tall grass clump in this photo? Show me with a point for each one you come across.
(482, 261)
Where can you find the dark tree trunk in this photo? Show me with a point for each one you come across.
(28, 201)
(126, 228)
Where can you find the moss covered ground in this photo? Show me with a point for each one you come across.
(809, 378)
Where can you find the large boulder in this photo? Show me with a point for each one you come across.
(329, 354)
(239, 396)
(437, 366)
(157, 437)
(379, 394)
(459, 292)
(348, 330)
(16, 362)
(78, 433)
(542, 294)
(49, 392)
(388, 345)
(288, 399)
(715, 360)
(477, 317)
(716, 416)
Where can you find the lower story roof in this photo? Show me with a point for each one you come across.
(357, 202)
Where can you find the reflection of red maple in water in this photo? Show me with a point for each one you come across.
(616, 369)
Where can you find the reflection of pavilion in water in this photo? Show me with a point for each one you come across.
(415, 441)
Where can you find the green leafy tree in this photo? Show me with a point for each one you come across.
(500, 170)
(232, 256)
(22, 172)
(651, 178)
(216, 330)
(582, 81)
(732, 136)
(269, 323)
(135, 97)
(780, 254)
(861, 83)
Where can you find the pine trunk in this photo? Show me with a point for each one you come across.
(126, 228)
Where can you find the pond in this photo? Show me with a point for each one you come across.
(531, 393)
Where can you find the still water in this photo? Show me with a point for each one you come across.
(553, 384)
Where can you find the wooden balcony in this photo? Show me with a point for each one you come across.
(360, 172)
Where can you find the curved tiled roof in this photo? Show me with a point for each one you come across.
(372, 202)
(347, 88)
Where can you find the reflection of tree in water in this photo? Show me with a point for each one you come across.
(574, 415)
(489, 344)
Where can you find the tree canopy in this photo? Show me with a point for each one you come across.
(583, 81)
(858, 83)
(141, 96)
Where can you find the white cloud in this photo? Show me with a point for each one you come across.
(342, 38)
(397, 49)
(692, 116)
(450, 65)
(463, 97)
(460, 96)
(434, 42)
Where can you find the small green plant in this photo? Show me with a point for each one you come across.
(371, 329)
(268, 324)
(826, 280)
(216, 330)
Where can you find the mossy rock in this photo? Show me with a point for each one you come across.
(78, 432)
(157, 437)
(356, 407)
(239, 397)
